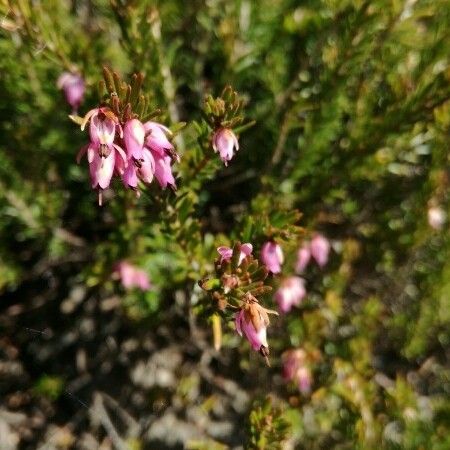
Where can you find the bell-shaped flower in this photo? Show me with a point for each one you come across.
(147, 167)
(73, 86)
(163, 170)
(303, 258)
(103, 160)
(131, 276)
(272, 256)
(320, 249)
(436, 217)
(257, 338)
(226, 252)
(291, 292)
(225, 142)
(102, 127)
(101, 168)
(252, 321)
(156, 139)
(143, 169)
(133, 137)
(130, 176)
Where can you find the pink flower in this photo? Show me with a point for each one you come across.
(163, 170)
(103, 154)
(436, 217)
(291, 292)
(147, 168)
(131, 276)
(130, 176)
(303, 257)
(295, 369)
(272, 256)
(225, 141)
(320, 249)
(226, 252)
(304, 380)
(292, 359)
(102, 129)
(101, 168)
(252, 321)
(156, 139)
(133, 137)
(143, 169)
(73, 86)
(256, 337)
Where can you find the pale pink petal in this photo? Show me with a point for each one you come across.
(290, 293)
(147, 169)
(256, 338)
(163, 170)
(129, 177)
(225, 141)
(303, 258)
(156, 138)
(73, 87)
(133, 136)
(320, 249)
(272, 256)
(101, 170)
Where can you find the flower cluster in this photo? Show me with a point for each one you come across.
(292, 289)
(238, 284)
(123, 145)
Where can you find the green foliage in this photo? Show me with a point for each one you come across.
(267, 427)
(49, 386)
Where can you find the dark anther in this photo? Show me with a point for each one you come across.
(104, 151)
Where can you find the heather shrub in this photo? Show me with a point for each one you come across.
(224, 224)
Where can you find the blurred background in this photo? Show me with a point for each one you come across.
(352, 107)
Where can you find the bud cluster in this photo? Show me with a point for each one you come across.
(223, 114)
(123, 140)
(238, 283)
